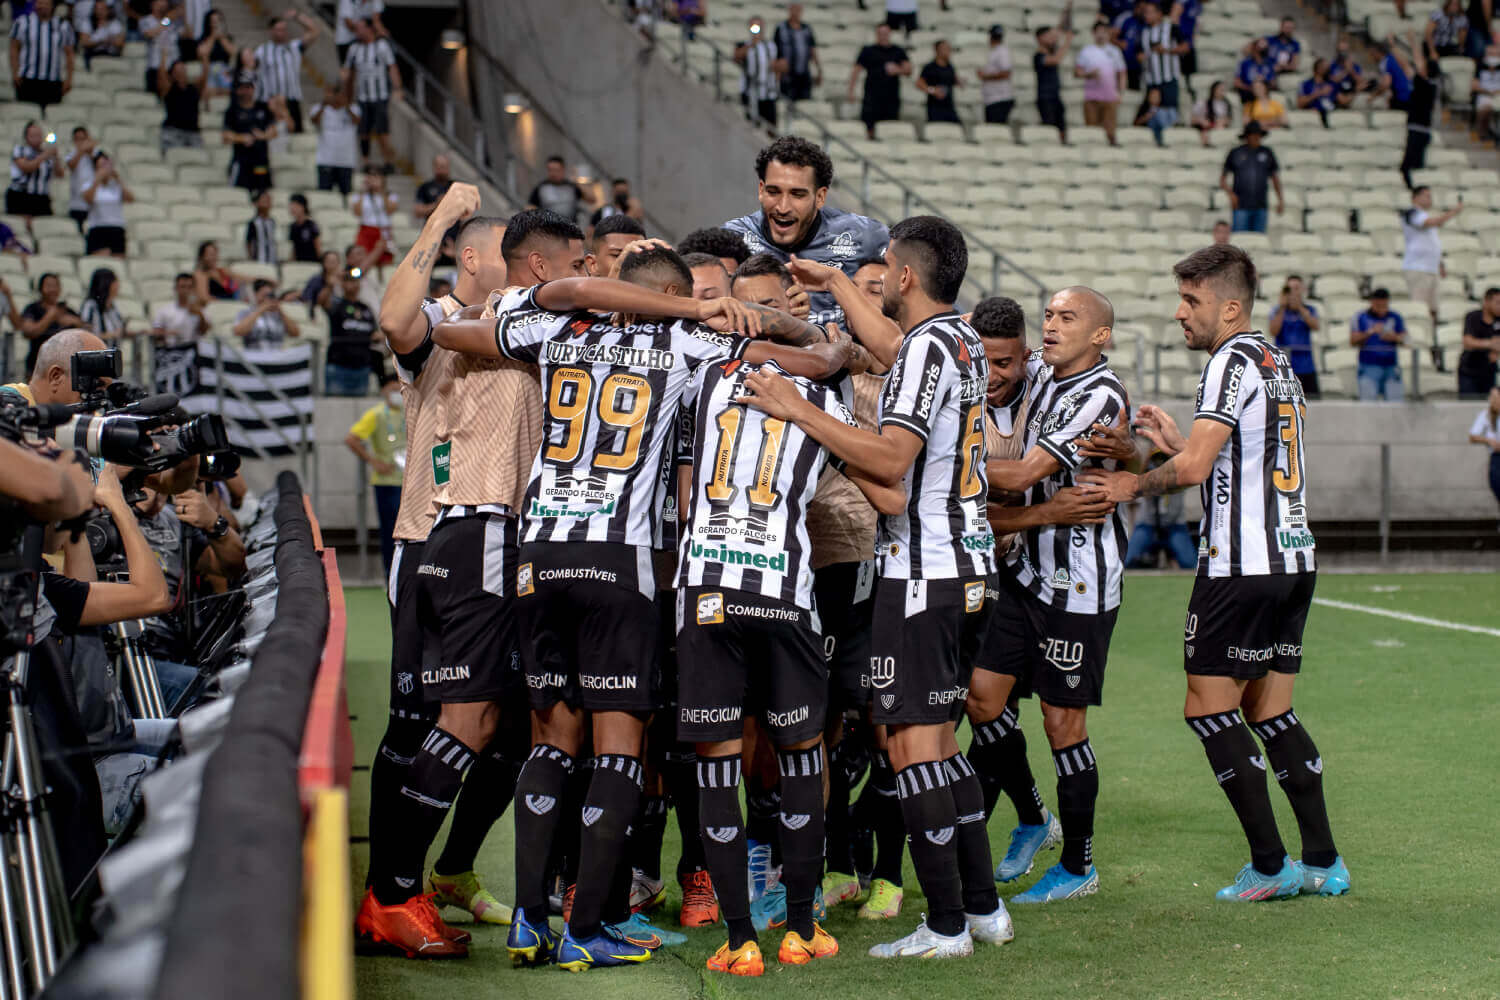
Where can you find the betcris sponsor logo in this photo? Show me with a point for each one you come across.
(1232, 387)
(730, 556)
(930, 379)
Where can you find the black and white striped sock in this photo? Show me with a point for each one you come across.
(932, 829)
(1077, 793)
(1241, 773)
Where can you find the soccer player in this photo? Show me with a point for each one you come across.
(710, 279)
(1059, 596)
(795, 175)
(583, 580)
(611, 236)
(936, 562)
(748, 638)
(1242, 642)
(725, 244)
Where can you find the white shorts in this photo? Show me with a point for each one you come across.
(1423, 286)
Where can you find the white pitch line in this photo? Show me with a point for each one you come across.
(1402, 616)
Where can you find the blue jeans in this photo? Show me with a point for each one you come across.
(121, 774)
(1144, 541)
(341, 381)
(1380, 382)
(387, 503)
(1251, 220)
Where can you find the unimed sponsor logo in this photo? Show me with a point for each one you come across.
(731, 556)
(445, 674)
(539, 509)
(1294, 539)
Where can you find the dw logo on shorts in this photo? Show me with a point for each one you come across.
(973, 596)
(525, 585)
(711, 609)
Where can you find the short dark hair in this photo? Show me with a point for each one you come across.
(867, 261)
(557, 159)
(182, 276)
(620, 180)
(1042, 31)
(1419, 189)
(471, 226)
(658, 262)
(718, 241)
(937, 251)
(298, 199)
(1492, 290)
(387, 377)
(701, 259)
(534, 223)
(42, 279)
(795, 151)
(262, 283)
(1220, 222)
(759, 266)
(437, 283)
(1225, 264)
(999, 318)
(271, 22)
(79, 128)
(1380, 293)
(1296, 277)
(619, 223)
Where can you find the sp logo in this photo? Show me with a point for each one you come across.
(973, 596)
(1190, 630)
(524, 583)
(710, 609)
(882, 671)
(405, 683)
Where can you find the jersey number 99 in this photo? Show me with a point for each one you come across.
(623, 402)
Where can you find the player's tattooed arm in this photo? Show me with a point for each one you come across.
(1162, 479)
(784, 328)
(401, 318)
(1189, 467)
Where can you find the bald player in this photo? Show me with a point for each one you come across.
(1059, 588)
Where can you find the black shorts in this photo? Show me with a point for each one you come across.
(588, 614)
(294, 112)
(740, 654)
(1243, 626)
(26, 203)
(1057, 655)
(374, 118)
(907, 20)
(466, 607)
(925, 636)
(335, 178)
(1052, 112)
(845, 598)
(406, 634)
(111, 238)
(40, 92)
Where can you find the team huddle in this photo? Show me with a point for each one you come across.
(771, 512)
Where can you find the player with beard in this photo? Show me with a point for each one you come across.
(1242, 642)
(794, 219)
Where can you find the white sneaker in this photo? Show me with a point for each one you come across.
(992, 928)
(645, 892)
(924, 942)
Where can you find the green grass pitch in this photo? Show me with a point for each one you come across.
(1405, 716)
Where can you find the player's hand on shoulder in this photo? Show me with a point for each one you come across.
(771, 393)
(725, 314)
(1073, 505)
(1157, 426)
(1116, 487)
(798, 302)
(1103, 441)
(636, 246)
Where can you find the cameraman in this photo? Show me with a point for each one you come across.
(52, 378)
(188, 536)
(48, 488)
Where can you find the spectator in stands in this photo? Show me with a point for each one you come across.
(306, 237)
(1127, 28)
(279, 62)
(1486, 431)
(104, 37)
(1447, 30)
(33, 164)
(710, 279)
(1477, 369)
(621, 202)
(1248, 169)
(175, 328)
(1256, 67)
(557, 192)
(249, 128)
(1102, 69)
(756, 55)
(1185, 14)
(903, 14)
(353, 340)
(725, 244)
(374, 207)
(45, 317)
(162, 33)
(1051, 47)
(210, 281)
(107, 196)
(1212, 112)
(1160, 526)
(1378, 332)
(1318, 93)
(432, 190)
(1222, 232)
(1422, 263)
(260, 231)
(263, 323)
(1284, 48)
(1395, 78)
(370, 74)
(797, 56)
(218, 53)
(937, 80)
(995, 87)
(80, 164)
(346, 25)
(378, 437)
(1481, 17)
(1264, 109)
(1291, 325)
(1161, 67)
(337, 122)
(1345, 72)
(99, 312)
(41, 56)
(884, 65)
(325, 279)
(1486, 90)
(1154, 116)
(1425, 85)
(610, 238)
(181, 99)
(687, 13)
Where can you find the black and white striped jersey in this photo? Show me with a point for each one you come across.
(260, 239)
(278, 70)
(935, 390)
(758, 74)
(371, 62)
(1255, 500)
(38, 180)
(42, 46)
(611, 396)
(753, 478)
(1161, 67)
(1076, 568)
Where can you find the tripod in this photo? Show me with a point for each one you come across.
(133, 661)
(37, 932)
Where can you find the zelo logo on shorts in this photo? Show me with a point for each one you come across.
(1062, 654)
(973, 596)
(525, 583)
(711, 609)
(882, 671)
